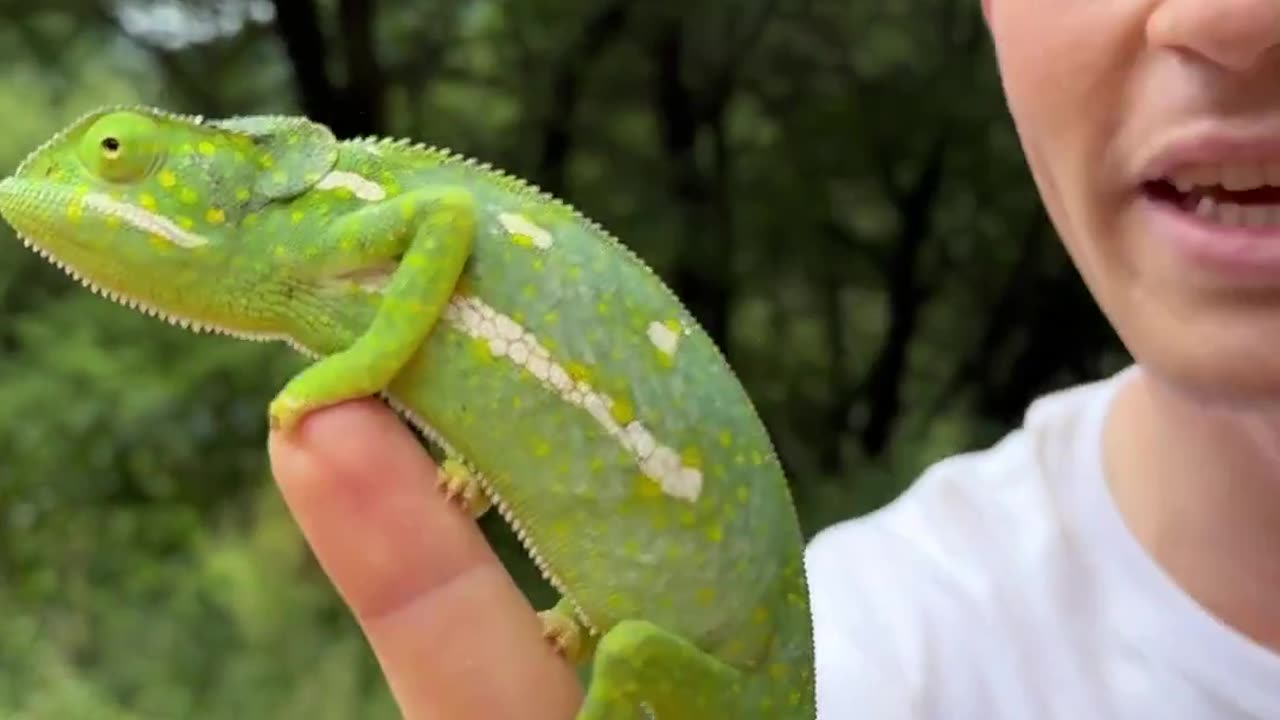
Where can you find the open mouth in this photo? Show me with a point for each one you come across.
(1236, 196)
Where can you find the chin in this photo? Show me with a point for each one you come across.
(1224, 363)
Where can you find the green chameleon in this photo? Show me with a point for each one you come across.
(567, 386)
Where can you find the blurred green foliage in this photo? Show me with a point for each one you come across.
(833, 186)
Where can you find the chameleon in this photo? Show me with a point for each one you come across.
(567, 385)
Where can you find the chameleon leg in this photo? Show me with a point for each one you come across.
(462, 486)
(644, 671)
(434, 229)
(561, 626)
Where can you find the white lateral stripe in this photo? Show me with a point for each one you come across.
(506, 338)
(663, 337)
(143, 219)
(517, 224)
(359, 185)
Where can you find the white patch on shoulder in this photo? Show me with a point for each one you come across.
(663, 337)
(359, 185)
(144, 220)
(507, 338)
(517, 224)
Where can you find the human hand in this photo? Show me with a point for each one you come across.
(453, 634)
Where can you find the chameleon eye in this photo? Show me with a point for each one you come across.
(121, 147)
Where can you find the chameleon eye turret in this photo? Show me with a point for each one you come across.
(570, 390)
(121, 147)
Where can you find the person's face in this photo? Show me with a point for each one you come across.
(1143, 122)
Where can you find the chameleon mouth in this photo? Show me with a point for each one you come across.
(21, 203)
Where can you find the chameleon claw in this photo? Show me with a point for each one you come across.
(562, 633)
(461, 486)
(283, 415)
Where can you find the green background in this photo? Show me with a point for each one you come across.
(833, 186)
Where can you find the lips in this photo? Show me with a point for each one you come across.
(1213, 197)
(1224, 194)
(1223, 173)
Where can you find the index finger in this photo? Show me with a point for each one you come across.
(451, 631)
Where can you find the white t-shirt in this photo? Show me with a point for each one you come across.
(1004, 585)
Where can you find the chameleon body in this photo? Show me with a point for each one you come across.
(568, 386)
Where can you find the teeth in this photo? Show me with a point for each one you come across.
(1227, 213)
(1241, 176)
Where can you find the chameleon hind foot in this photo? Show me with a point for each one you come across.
(566, 633)
(461, 486)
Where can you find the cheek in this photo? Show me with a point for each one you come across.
(1066, 67)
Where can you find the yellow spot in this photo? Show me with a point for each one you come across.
(188, 196)
(206, 148)
(691, 457)
(706, 595)
(147, 200)
(279, 251)
(777, 671)
(726, 438)
(266, 161)
(250, 220)
(715, 533)
(185, 222)
(215, 216)
(541, 447)
(743, 493)
(242, 194)
(760, 616)
(296, 216)
(647, 488)
(167, 179)
(622, 411)
(578, 371)
(113, 222)
(279, 176)
(74, 211)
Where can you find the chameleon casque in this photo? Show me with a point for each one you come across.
(566, 384)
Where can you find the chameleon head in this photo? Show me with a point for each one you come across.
(146, 207)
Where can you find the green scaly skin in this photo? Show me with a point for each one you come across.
(568, 386)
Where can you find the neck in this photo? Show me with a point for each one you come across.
(1199, 486)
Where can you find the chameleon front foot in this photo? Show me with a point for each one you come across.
(461, 486)
(284, 413)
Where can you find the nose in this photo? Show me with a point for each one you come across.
(1234, 34)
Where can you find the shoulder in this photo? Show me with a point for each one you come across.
(897, 590)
